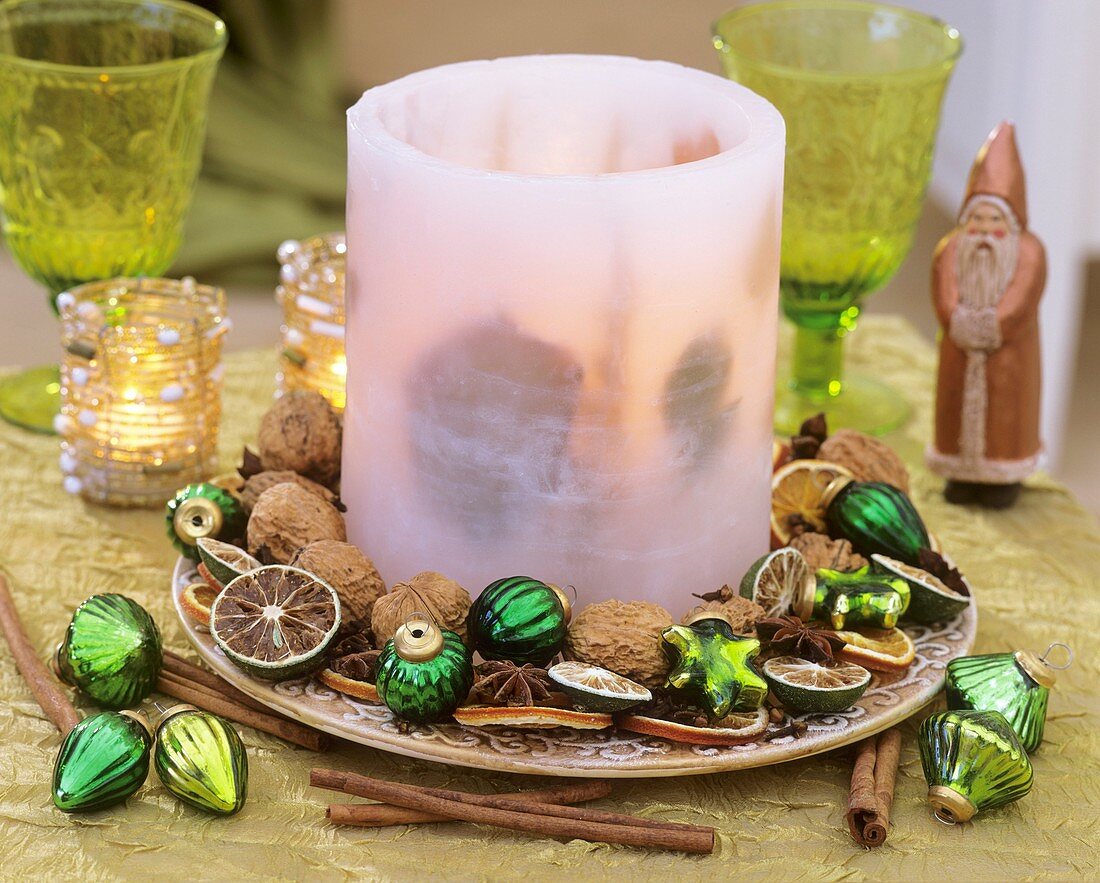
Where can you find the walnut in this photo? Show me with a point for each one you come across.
(301, 432)
(347, 570)
(442, 599)
(261, 481)
(287, 518)
(866, 457)
(742, 613)
(822, 551)
(623, 638)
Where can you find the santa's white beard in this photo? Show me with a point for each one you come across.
(984, 273)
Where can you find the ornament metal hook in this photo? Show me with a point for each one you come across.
(944, 817)
(1069, 656)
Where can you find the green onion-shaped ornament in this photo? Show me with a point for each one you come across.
(1015, 684)
(972, 761)
(847, 600)
(711, 667)
(519, 619)
(875, 518)
(201, 760)
(111, 651)
(424, 672)
(203, 510)
(102, 761)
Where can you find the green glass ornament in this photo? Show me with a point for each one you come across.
(875, 518)
(424, 672)
(203, 510)
(847, 600)
(972, 761)
(712, 667)
(1015, 684)
(111, 652)
(519, 619)
(201, 760)
(102, 761)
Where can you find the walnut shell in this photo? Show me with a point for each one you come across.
(287, 518)
(301, 432)
(822, 551)
(261, 481)
(347, 570)
(444, 600)
(866, 457)
(741, 613)
(623, 638)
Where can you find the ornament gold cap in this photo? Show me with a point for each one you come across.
(566, 604)
(1038, 668)
(803, 601)
(949, 806)
(140, 718)
(701, 613)
(833, 488)
(197, 517)
(418, 639)
(60, 669)
(166, 714)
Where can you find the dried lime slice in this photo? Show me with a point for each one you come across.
(930, 599)
(276, 622)
(224, 561)
(597, 689)
(780, 582)
(815, 687)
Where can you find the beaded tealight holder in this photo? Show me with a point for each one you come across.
(140, 387)
(311, 292)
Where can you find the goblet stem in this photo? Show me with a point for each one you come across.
(818, 362)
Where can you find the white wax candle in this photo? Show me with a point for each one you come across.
(561, 325)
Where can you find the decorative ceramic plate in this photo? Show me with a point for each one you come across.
(603, 753)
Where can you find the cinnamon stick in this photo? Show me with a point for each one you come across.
(519, 815)
(182, 669)
(381, 815)
(871, 796)
(207, 700)
(48, 693)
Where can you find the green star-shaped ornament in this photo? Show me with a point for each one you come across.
(712, 667)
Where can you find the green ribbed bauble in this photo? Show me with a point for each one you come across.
(876, 518)
(203, 510)
(424, 672)
(111, 652)
(973, 761)
(847, 600)
(518, 619)
(1015, 684)
(201, 760)
(102, 761)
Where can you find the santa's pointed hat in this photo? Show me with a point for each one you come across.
(997, 171)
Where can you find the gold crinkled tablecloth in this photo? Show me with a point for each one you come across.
(1035, 571)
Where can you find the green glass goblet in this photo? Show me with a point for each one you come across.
(102, 117)
(860, 86)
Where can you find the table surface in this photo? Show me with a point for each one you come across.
(1034, 570)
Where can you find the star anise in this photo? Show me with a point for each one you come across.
(811, 434)
(505, 683)
(935, 564)
(362, 666)
(788, 635)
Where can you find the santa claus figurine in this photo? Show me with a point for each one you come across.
(987, 278)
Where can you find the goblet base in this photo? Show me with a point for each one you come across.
(32, 398)
(862, 403)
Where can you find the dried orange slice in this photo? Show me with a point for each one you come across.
(735, 729)
(196, 600)
(798, 491)
(878, 649)
(530, 717)
(356, 689)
